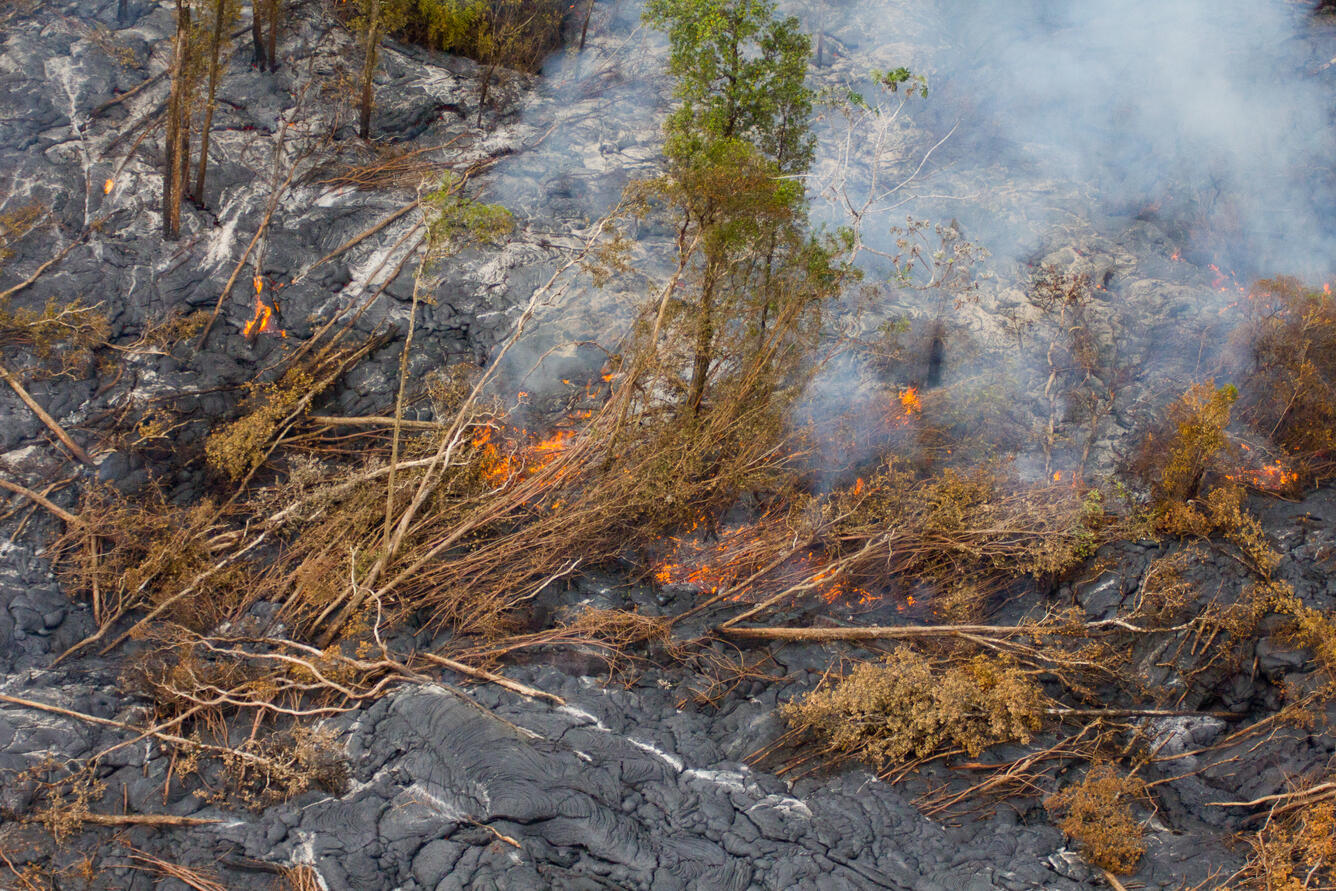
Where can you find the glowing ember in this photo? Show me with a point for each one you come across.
(1275, 477)
(514, 458)
(707, 567)
(1326, 288)
(108, 186)
(910, 402)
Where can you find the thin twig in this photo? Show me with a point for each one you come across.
(494, 678)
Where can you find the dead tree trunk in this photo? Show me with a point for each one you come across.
(257, 36)
(275, 13)
(215, 47)
(369, 67)
(584, 29)
(173, 182)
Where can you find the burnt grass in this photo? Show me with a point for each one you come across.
(662, 762)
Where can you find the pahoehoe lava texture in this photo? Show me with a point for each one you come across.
(627, 786)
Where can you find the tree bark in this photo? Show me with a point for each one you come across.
(257, 36)
(216, 41)
(369, 68)
(584, 29)
(275, 10)
(172, 181)
(700, 370)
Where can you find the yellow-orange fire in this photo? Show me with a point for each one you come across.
(1274, 477)
(513, 458)
(709, 567)
(910, 401)
(108, 186)
(263, 322)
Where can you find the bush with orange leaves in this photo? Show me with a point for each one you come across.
(1296, 851)
(1192, 469)
(1178, 457)
(1097, 813)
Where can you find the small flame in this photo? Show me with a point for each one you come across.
(910, 402)
(858, 486)
(263, 322)
(1057, 476)
(1326, 288)
(108, 186)
(1275, 477)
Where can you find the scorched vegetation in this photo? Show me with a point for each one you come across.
(337, 558)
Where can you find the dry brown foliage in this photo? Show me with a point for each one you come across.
(301, 878)
(1177, 457)
(1295, 850)
(1289, 388)
(62, 335)
(1097, 813)
(128, 554)
(910, 708)
(238, 447)
(17, 223)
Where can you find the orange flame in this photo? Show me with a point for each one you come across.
(1057, 476)
(263, 322)
(1274, 477)
(108, 186)
(708, 568)
(910, 401)
(520, 459)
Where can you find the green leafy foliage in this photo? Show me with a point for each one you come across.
(741, 75)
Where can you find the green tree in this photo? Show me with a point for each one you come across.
(737, 148)
(741, 75)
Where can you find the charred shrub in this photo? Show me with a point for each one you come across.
(909, 708)
(1097, 813)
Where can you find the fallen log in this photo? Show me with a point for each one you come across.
(50, 422)
(40, 499)
(875, 632)
(494, 678)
